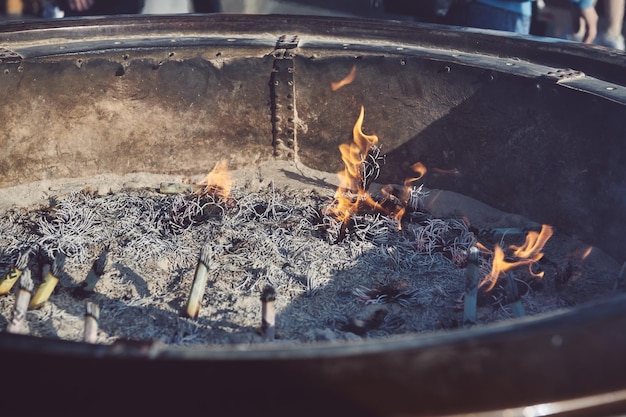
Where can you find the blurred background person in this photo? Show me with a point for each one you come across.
(100, 7)
(515, 15)
(612, 35)
(207, 6)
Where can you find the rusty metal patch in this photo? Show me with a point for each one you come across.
(561, 75)
(8, 56)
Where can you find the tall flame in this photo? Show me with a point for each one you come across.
(351, 178)
(218, 181)
(353, 155)
(527, 254)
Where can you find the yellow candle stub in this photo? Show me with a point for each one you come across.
(9, 280)
(44, 291)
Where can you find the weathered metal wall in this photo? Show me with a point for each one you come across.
(131, 112)
(530, 137)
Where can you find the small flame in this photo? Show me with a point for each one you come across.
(527, 254)
(587, 253)
(420, 169)
(218, 181)
(334, 86)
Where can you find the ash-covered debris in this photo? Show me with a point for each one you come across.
(370, 276)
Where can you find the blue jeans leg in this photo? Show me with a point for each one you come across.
(483, 16)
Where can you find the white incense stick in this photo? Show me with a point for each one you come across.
(18, 317)
(199, 282)
(471, 287)
(92, 316)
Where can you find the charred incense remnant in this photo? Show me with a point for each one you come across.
(370, 167)
(96, 272)
(268, 313)
(92, 316)
(471, 287)
(199, 282)
(18, 317)
(7, 282)
(49, 282)
(513, 297)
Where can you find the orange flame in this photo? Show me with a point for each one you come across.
(353, 154)
(420, 169)
(334, 86)
(218, 181)
(527, 254)
(351, 178)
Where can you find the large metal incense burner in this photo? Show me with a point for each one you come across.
(526, 125)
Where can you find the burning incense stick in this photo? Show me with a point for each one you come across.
(16, 325)
(7, 282)
(513, 297)
(199, 282)
(471, 287)
(268, 313)
(49, 282)
(92, 316)
(96, 272)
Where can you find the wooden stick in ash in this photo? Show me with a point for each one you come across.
(18, 317)
(49, 282)
(92, 316)
(513, 297)
(199, 282)
(7, 282)
(96, 272)
(471, 287)
(268, 313)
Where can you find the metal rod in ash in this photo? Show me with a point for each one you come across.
(513, 297)
(7, 282)
(18, 317)
(50, 281)
(268, 313)
(471, 287)
(92, 317)
(199, 282)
